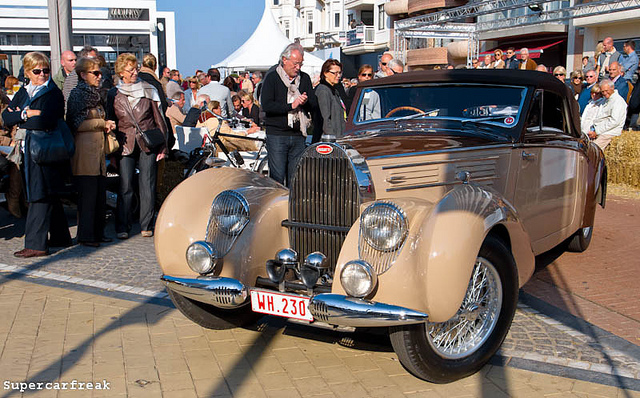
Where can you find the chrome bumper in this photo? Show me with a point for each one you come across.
(340, 310)
(217, 291)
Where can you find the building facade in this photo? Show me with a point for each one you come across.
(361, 29)
(113, 27)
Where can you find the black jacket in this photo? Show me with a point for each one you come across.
(274, 103)
(42, 180)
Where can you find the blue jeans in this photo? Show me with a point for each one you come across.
(283, 153)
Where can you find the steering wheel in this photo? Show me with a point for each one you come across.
(403, 108)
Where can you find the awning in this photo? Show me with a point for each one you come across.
(534, 52)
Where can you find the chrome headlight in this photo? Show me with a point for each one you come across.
(201, 257)
(384, 226)
(231, 212)
(358, 278)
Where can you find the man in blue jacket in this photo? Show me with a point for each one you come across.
(585, 95)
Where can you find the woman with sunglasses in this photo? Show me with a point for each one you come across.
(39, 106)
(86, 118)
(330, 120)
(136, 109)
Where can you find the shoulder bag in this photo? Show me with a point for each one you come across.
(53, 146)
(153, 138)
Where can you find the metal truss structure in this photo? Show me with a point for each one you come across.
(446, 24)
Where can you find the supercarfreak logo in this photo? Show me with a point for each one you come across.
(324, 149)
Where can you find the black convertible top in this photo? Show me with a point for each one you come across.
(497, 76)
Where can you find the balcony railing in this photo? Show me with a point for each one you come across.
(360, 35)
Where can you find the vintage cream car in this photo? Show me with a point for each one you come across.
(424, 219)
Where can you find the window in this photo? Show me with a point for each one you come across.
(381, 17)
(336, 20)
(286, 29)
(276, 2)
(310, 22)
(547, 115)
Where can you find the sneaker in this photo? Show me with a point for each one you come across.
(147, 234)
(122, 235)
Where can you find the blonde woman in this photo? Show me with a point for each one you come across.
(136, 107)
(40, 106)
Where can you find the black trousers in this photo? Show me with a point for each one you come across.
(146, 188)
(92, 204)
(46, 216)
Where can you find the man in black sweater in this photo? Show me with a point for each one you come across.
(288, 100)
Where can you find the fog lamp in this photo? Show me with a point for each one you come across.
(314, 266)
(201, 257)
(285, 258)
(358, 278)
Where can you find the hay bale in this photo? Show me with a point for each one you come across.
(623, 159)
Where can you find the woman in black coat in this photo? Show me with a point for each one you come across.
(39, 106)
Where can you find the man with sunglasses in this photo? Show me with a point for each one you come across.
(511, 61)
(383, 69)
(585, 95)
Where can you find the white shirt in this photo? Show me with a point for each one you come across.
(611, 117)
(589, 114)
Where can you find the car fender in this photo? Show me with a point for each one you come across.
(433, 268)
(184, 217)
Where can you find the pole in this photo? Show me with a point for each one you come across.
(59, 30)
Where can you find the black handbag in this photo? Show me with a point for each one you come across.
(53, 146)
(153, 138)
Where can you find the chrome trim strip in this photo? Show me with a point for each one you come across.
(341, 310)
(217, 291)
(475, 148)
(434, 162)
(439, 184)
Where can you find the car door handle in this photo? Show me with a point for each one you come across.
(528, 156)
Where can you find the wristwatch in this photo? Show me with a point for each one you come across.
(23, 115)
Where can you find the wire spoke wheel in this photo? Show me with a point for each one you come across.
(472, 325)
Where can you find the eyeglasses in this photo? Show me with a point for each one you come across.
(577, 78)
(558, 74)
(37, 71)
(366, 74)
(591, 76)
(295, 63)
(335, 73)
(131, 71)
(96, 73)
(383, 63)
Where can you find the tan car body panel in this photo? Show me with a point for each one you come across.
(184, 216)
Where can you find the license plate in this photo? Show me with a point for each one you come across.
(281, 304)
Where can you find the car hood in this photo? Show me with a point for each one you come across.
(391, 142)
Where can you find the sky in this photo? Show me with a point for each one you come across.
(207, 31)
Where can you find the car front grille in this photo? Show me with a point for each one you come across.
(324, 202)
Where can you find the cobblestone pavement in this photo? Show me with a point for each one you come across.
(537, 340)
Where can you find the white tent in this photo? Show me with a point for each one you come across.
(262, 50)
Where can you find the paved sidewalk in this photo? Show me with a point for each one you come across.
(142, 349)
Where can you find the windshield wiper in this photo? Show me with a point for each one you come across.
(480, 127)
(484, 119)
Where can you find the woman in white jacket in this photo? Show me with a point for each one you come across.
(591, 110)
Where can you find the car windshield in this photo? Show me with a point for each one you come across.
(469, 103)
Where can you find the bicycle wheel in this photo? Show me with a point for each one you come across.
(263, 167)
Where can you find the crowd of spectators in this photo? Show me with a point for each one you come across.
(283, 102)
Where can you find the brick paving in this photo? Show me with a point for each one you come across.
(51, 334)
(600, 285)
(585, 285)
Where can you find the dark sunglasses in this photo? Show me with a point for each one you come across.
(46, 71)
(96, 73)
(383, 63)
(366, 74)
(558, 74)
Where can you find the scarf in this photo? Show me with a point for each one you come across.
(577, 87)
(138, 90)
(293, 92)
(82, 99)
(32, 89)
